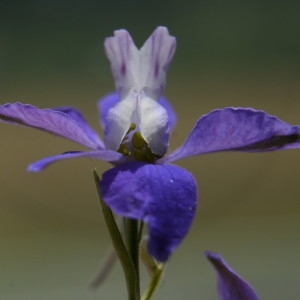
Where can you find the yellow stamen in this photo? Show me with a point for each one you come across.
(138, 141)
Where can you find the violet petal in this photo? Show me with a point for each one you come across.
(106, 155)
(105, 104)
(171, 113)
(77, 116)
(237, 129)
(230, 285)
(164, 196)
(49, 120)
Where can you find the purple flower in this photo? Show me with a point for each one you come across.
(230, 285)
(137, 122)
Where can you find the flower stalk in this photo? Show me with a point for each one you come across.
(120, 248)
(132, 243)
(129, 252)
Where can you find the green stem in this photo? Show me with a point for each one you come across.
(154, 283)
(132, 241)
(128, 266)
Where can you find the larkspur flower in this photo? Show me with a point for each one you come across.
(137, 122)
(231, 286)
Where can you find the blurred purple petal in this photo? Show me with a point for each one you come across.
(49, 120)
(110, 100)
(230, 285)
(171, 113)
(164, 196)
(105, 104)
(106, 155)
(80, 119)
(237, 129)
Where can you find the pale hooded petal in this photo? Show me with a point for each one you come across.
(140, 79)
(153, 124)
(118, 121)
(124, 59)
(231, 286)
(110, 100)
(140, 69)
(155, 57)
(150, 117)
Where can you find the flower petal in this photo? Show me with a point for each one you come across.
(77, 116)
(153, 123)
(106, 155)
(237, 129)
(124, 59)
(150, 117)
(118, 121)
(171, 113)
(164, 196)
(144, 69)
(155, 57)
(230, 285)
(105, 104)
(110, 100)
(50, 120)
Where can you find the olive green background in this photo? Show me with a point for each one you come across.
(230, 53)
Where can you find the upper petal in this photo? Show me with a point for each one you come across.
(106, 155)
(230, 285)
(155, 57)
(140, 69)
(164, 196)
(237, 129)
(53, 121)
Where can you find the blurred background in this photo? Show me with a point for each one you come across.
(230, 53)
